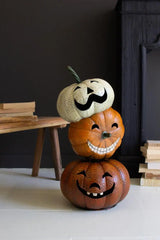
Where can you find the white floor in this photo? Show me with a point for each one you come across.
(34, 208)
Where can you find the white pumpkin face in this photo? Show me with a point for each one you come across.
(82, 100)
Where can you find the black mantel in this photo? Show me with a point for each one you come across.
(139, 26)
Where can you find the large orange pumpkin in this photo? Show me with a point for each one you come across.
(95, 184)
(98, 136)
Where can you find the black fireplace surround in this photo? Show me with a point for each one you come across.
(139, 31)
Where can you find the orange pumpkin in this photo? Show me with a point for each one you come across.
(98, 136)
(95, 184)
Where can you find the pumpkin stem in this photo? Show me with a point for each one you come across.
(74, 74)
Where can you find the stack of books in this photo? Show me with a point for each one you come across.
(151, 167)
(17, 112)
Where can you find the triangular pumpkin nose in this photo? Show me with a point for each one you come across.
(89, 90)
(94, 185)
(105, 135)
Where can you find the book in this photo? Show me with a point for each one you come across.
(153, 165)
(151, 156)
(152, 160)
(151, 176)
(153, 142)
(149, 150)
(150, 153)
(20, 105)
(18, 110)
(18, 119)
(144, 169)
(22, 114)
(155, 146)
(149, 182)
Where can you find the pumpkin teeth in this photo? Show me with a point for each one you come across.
(103, 150)
(95, 194)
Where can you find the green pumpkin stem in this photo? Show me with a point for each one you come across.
(74, 74)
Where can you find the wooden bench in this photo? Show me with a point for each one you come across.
(53, 123)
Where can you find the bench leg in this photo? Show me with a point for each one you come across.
(38, 152)
(56, 152)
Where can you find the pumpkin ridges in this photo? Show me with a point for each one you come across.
(95, 167)
(98, 118)
(83, 186)
(111, 114)
(65, 183)
(111, 141)
(84, 182)
(105, 184)
(105, 118)
(68, 170)
(80, 126)
(72, 134)
(110, 204)
(125, 176)
(111, 162)
(112, 152)
(63, 97)
(79, 117)
(122, 183)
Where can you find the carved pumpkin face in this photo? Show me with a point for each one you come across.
(84, 99)
(98, 136)
(95, 185)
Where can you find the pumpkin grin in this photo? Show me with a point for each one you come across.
(92, 98)
(96, 195)
(103, 150)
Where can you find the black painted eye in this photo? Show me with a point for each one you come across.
(94, 81)
(106, 174)
(95, 126)
(76, 88)
(115, 125)
(82, 172)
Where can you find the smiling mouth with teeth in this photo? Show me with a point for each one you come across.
(103, 150)
(96, 195)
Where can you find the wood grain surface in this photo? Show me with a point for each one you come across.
(42, 122)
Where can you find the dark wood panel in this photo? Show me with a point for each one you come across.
(137, 7)
(139, 26)
(131, 39)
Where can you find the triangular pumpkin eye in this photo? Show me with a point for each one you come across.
(95, 126)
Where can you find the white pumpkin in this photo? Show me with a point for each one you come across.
(84, 99)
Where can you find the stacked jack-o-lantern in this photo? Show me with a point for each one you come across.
(95, 133)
